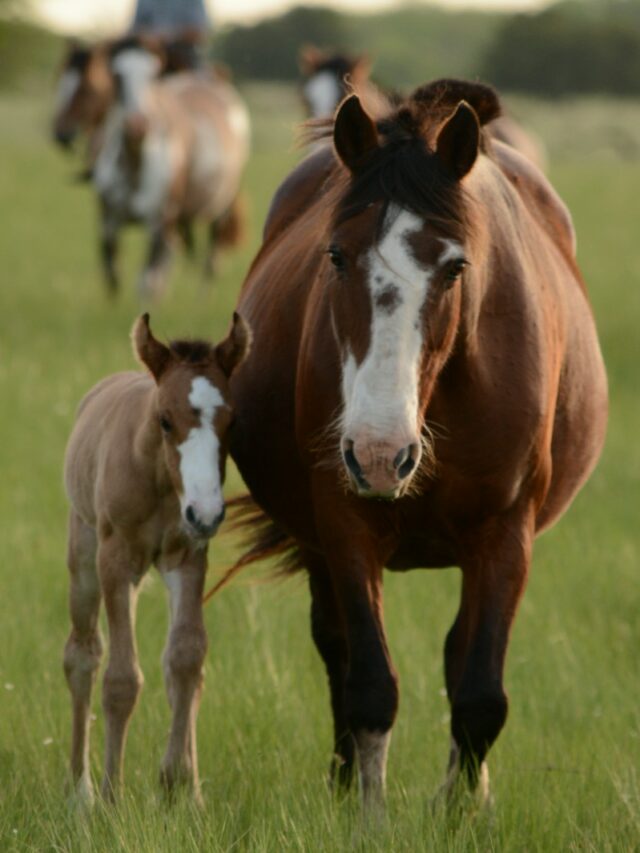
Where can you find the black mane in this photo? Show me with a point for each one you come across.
(404, 170)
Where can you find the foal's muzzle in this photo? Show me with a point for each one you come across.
(200, 529)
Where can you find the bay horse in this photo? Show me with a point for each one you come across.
(327, 77)
(143, 472)
(426, 389)
(169, 150)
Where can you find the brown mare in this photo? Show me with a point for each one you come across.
(426, 389)
(143, 471)
(168, 151)
(328, 77)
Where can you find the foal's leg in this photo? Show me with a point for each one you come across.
(494, 576)
(84, 648)
(119, 576)
(329, 637)
(183, 661)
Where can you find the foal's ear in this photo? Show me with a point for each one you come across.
(354, 133)
(233, 350)
(154, 355)
(458, 140)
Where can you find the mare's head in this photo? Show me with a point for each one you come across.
(193, 414)
(85, 91)
(327, 77)
(398, 256)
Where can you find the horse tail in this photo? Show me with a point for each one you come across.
(264, 540)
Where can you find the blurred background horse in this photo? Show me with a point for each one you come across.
(163, 151)
(328, 76)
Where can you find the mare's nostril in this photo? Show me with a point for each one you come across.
(350, 460)
(405, 460)
(353, 465)
(191, 516)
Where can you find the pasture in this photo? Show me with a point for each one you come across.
(566, 770)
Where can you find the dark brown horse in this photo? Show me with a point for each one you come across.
(425, 389)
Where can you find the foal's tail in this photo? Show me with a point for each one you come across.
(264, 539)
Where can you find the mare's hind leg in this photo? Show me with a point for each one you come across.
(120, 575)
(495, 570)
(183, 660)
(329, 638)
(84, 648)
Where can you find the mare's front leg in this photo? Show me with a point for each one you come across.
(120, 573)
(494, 571)
(183, 660)
(371, 684)
(330, 640)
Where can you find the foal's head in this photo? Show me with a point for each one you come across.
(193, 413)
(85, 91)
(397, 252)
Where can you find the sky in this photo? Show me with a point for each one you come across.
(109, 16)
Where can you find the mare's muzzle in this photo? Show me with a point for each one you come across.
(380, 469)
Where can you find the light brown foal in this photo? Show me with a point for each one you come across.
(143, 471)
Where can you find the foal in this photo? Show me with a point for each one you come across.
(143, 472)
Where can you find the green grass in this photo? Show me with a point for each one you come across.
(565, 770)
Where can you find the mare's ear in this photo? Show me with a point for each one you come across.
(459, 139)
(154, 355)
(354, 133)
(233, 350)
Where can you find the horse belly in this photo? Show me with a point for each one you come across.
(580, 420)
(214, 173)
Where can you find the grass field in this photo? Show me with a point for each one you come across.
(566, 770)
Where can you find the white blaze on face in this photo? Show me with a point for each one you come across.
(200, 456)
(323, 93)
(381, 394)
(136, 69)
(67, 87)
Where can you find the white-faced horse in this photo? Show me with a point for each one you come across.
(143, 471)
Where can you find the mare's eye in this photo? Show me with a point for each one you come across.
(165, 424)
(337, 258)
(454, 270)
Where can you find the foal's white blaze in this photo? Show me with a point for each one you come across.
(200, 456)
(67, 87)
(381, 394)
(136, 68)
(323, 93)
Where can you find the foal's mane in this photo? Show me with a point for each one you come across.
(192, 351)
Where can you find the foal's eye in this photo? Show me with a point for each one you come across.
(337, 258)
(165, 424)
(455, 270)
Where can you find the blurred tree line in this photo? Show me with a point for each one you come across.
(574, 46)
(571, 47)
